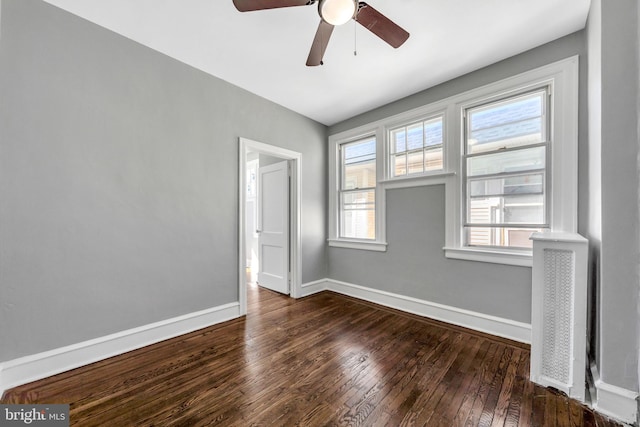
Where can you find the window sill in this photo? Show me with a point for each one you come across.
(439, 177)
(357, 244)
(521, 259)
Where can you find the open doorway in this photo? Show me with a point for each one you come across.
(267, 211)
(269, 240)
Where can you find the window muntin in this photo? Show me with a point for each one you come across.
(558, 130)
(505, 171)
(357, 198)
(508, 162)
(416, 148)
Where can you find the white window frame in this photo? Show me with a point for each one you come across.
(546, 143)
(562, 79)
(381, 129)
(408, 121)
(345, 189)
(335, 141)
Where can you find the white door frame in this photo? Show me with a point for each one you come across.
(247, 145)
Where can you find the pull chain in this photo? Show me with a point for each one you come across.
(355, 37)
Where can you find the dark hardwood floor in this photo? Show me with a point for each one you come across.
(322, 360)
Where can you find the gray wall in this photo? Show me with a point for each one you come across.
(614, 77)
(118, 181)
(415, 264)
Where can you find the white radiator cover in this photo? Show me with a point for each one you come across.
(559, 312)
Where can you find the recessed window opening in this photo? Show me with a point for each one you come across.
(416, 148)
(357, 196)
(506, 170)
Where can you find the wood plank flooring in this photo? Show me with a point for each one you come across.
(321, 360)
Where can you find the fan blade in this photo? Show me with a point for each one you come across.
(380, 25)
(320, 42)
(249, 5)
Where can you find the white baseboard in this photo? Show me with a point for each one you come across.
(314, 287)
(613, 401)
(493, 325)
(37, 366)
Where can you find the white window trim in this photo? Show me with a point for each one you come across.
(562, 76)
(427, 112)
(380, 129)
(418, 180)
(380, 243)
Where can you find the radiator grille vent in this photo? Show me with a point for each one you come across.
(557, 345)
(559, 312)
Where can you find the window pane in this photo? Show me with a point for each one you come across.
(528, 209)
(359, 175)
(417, 148)
(505, 124)
(510, 161)
(414, 136)
(359, 224)
(518, 184)
(415, 162)
(358, 199)
(500, 237)
(357, 208)
(359, 151)
(524, 210)
(358, 215)
(433, 132)
(359, 164)
(399, 164)
(398, 141)
(433, 159)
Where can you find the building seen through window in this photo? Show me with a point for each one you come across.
(357, 189)
(506, 150)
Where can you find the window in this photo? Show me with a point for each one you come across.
(406, 150)
(356, 200)
(505, 174)
(517, 171)
(416, 148)
(506, 154)
(357, 189)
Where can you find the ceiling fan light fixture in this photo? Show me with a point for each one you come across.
(337, 12)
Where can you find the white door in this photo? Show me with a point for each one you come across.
(273, 227)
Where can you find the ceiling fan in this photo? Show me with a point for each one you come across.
(332, 13)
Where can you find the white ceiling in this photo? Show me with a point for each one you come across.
(264, 52)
